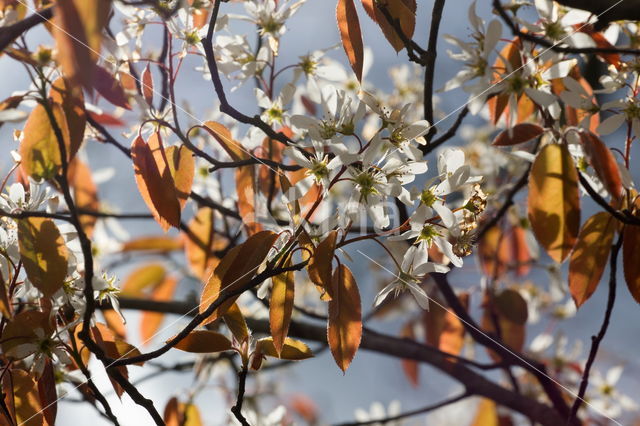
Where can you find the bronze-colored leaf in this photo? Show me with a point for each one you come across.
(631, 260)
(155, 184)
(554, 201)
(150, 322)
(320, 265)
(234, 148)
(145, 277)
(201, 243)
(39, 147)
(604, 163)
(590, 256)
(204, 341)
(520, 133)
(235, 270)
(160, 244)
(349, 26)
(43, 253)
(236, 323)
(147, 85)
(281, 306)
(292, 350)
(85, 193)
(72, 103)
(345, 318)
(182, 167)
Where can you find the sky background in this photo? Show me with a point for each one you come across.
(371, 377)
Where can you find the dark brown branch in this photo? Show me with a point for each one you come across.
(411, 413)
(237, 409)
(9, 33)
(597, 339)
(453, 130)
(489, 341)
(414, 51)
(223, 296)
(624, 217)
(475, 383)
(225, 106)
(430, 67)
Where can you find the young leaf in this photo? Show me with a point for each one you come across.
(410, 367)
(444, 329)
(155, 184)
(246, 189)
(147, 276)
(160, 244)
(26, 398)
(71, 40)
(345, 318)
(147, 85)
(349, 26)
(520, 133)
(204, 341)
(201, 242)
(150, 322)
(235, 270)
(182, 167)
(109, 88)
(281, 306)
(631, 260)
(39, 148)
(320, 265)
(236, 323)
(224, 138)
(72, 103)
(292, 350)
(85, 193)
(604, 163)
(43, 253)
(554, 201)
(401, 10)
(48, 396)
(507, 311)
(590, 256)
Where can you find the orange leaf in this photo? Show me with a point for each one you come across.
(85, 193)
(520, 133)
(115, 324)
(71, 40)
(147, 85)
(487, 414)
(109, 88)
(345, 318)
(236, 323)
(162, 244)
(292, 350)
(39, 147)
(224, 138)
(72, 103)
(43, 253)
(22, 389)
(246, 189)
(200, 243)
(604, 163)
(554, 201)
(402, 10)
(182, 167)
(155, 184)
(281, 306)
(444, 329)
(590, 256)
(507, 310)
(48, 396)
(204, 341)
(351, 36)
(410, 367)
(320, 265)
(147, 276)
(631, 260)
(235, 270)
(150, 321)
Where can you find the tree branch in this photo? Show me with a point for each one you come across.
(597, 339)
